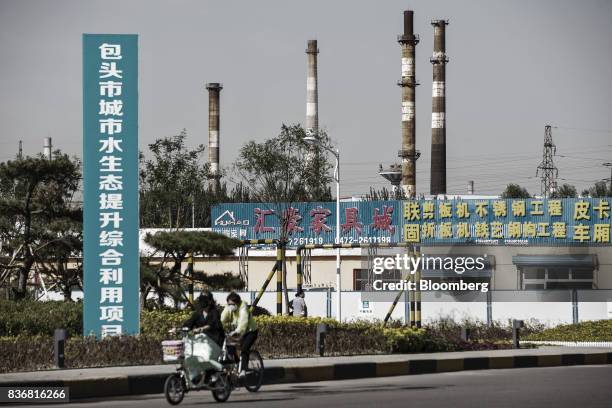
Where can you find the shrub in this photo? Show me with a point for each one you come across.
(223, 281)
(42, 318)
(39, 318)
(156, 323)
(113, 351)
(26, 353)
(449, 329)
(29, 353)
(600, 330)
(31, 325)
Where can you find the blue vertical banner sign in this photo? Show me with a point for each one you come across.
(110, 178)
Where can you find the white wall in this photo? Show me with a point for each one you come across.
(550, 313)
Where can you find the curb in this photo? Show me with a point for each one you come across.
(153, 384)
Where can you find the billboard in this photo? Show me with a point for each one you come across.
(530, 221)
(311, 223)
(533, 221)
(110, 178)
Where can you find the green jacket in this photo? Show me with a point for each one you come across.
(240, 320)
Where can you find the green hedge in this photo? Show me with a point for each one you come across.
(279, 337)
(286, 336)
(600, 330)
(26, 330)
(40, 318)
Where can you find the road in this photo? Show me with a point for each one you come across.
(583, 386)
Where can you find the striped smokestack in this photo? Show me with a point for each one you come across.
(214, 90)
(408, 152)
(312, 91)
(48, 148)
(438, 109)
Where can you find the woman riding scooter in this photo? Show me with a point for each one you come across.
(238, 318)
(206, 318)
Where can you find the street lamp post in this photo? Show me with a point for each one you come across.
(313, 140)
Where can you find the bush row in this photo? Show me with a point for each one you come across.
(40, 318)
(26, 330)
(279, 337)
(33, 353)
(600, 330)
(289, 338)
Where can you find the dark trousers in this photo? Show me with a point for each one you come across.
(246, 343)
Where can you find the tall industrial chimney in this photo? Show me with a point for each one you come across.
(408, 152)
(48, 148)
(312, 89)
(471, 187)
(438, 110)
(214, 90)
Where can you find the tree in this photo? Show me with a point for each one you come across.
(173, 186)
(599, 189)
(60, 260)
(285, 170)
(515, 191)
(565, 191)
(35, 208)
(166, 278)
(172, 183)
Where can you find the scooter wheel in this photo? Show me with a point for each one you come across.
(222, 395)
(174, 389)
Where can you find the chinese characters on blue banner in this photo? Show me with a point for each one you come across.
(508, 221)
(311, 223)
(484, 222)
(110, 151)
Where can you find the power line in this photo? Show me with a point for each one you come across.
(584, 130)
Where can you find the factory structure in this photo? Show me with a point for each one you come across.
(214, 109)
(408, 84)
(438, 109)
(513, 270)
(518, 272)
(312, 88)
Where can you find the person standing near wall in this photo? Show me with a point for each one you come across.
(299, 305)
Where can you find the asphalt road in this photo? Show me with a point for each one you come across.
(577, 386)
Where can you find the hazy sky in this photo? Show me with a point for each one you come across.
(514, 67)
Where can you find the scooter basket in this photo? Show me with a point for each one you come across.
(172, 350)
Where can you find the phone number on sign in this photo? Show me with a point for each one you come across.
(304, 241)
(343, 240)
(365, 240)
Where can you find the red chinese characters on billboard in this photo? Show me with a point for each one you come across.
(292, 219)
(364, 221)
(351, 221)
(260, 223)
(318, 222)
(383, 221)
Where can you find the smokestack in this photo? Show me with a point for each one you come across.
(438, 109)
(471, 187)
(408, 152)
(312, 89)
(214, 90)
(20, 153)
(47, 148)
